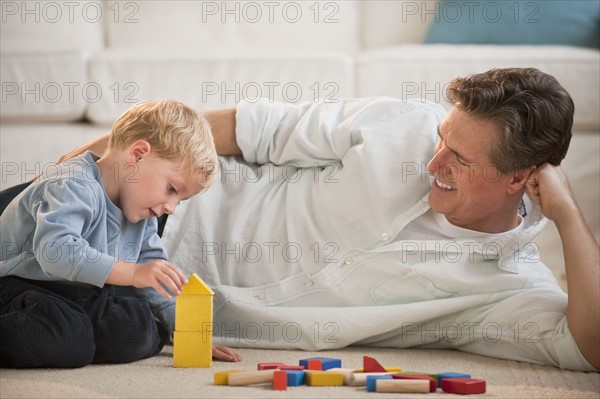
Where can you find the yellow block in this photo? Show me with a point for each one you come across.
(318, 378)
(192, 349)
(194, 313)
(222, 377)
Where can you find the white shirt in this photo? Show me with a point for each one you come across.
(299, 243)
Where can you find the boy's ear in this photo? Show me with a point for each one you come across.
(519, 179)
(139, 150)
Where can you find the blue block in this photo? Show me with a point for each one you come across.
(372, 379)
(295, 377)
(441, 376)
(326, 362)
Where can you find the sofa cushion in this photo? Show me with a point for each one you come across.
(387, 23)
(575, 23)
(216, 78)
(423, 71)
(44, 47)
(201, 25)
(43, 86)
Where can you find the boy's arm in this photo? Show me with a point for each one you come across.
(222, 123)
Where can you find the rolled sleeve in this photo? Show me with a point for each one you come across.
(568, 353)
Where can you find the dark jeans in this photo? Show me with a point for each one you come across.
(56, 324)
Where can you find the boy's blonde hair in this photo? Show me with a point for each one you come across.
(175, 132)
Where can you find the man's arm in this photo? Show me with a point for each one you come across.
(222, 123)
(550, 188)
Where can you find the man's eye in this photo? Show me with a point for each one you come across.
(460, 160)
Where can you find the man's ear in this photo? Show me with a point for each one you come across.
(138, 150)
(519, 179)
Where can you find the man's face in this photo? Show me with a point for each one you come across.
(467, 187)
(155, 186)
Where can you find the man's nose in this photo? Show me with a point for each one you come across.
(437, 162)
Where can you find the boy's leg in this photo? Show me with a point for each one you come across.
(39, 328)
(124, 327)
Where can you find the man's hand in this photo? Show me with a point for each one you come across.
(549, 187)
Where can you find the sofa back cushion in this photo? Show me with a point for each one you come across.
(392, 22)
(235, 25)
(44, 48)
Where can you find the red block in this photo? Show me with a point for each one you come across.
(280, 381)
(269, 366)
(463, 386)
(432, 381)
(370, 365)
(286, 367)
(315, 365)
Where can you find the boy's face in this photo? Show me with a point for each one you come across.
(153, 186)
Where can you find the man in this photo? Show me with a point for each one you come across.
(377, 222)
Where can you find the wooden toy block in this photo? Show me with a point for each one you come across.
(295, 377)
(371, 379)
(341, 370)
(194, 306)
(326, 362)
(317, 378)
(432, 382)
(370, 365)
(192, 340)
(280, 380)
(251, 377)
(287, 367)
(269, 366)
(192, 349)
(222, 377)
(463, 386)
(441, 376)
(359, 379)
(315, 365)
(402, 386)
(387, 369)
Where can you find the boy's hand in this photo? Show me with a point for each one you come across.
(226, 354)
(159, 274)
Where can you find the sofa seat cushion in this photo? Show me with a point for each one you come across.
(423, 71)
(30, 149)
(216, 78)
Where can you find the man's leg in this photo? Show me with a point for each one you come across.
(39, 328)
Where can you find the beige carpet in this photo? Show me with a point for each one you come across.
(156, 378)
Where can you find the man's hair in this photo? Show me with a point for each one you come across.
(175, 132)
(532, 111)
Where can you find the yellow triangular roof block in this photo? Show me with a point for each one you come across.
(196, 286)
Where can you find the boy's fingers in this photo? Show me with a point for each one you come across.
(180, 276)
(158, 287)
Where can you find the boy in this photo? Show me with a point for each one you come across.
(79, 241)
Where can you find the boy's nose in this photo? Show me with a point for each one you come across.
(169, 209)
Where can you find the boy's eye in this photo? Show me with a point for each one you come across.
(172, 190)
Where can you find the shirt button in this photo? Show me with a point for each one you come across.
(348, 261)
(308, 283)
(385, 236)
(260, 296)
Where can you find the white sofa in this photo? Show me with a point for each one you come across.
(70, 68)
